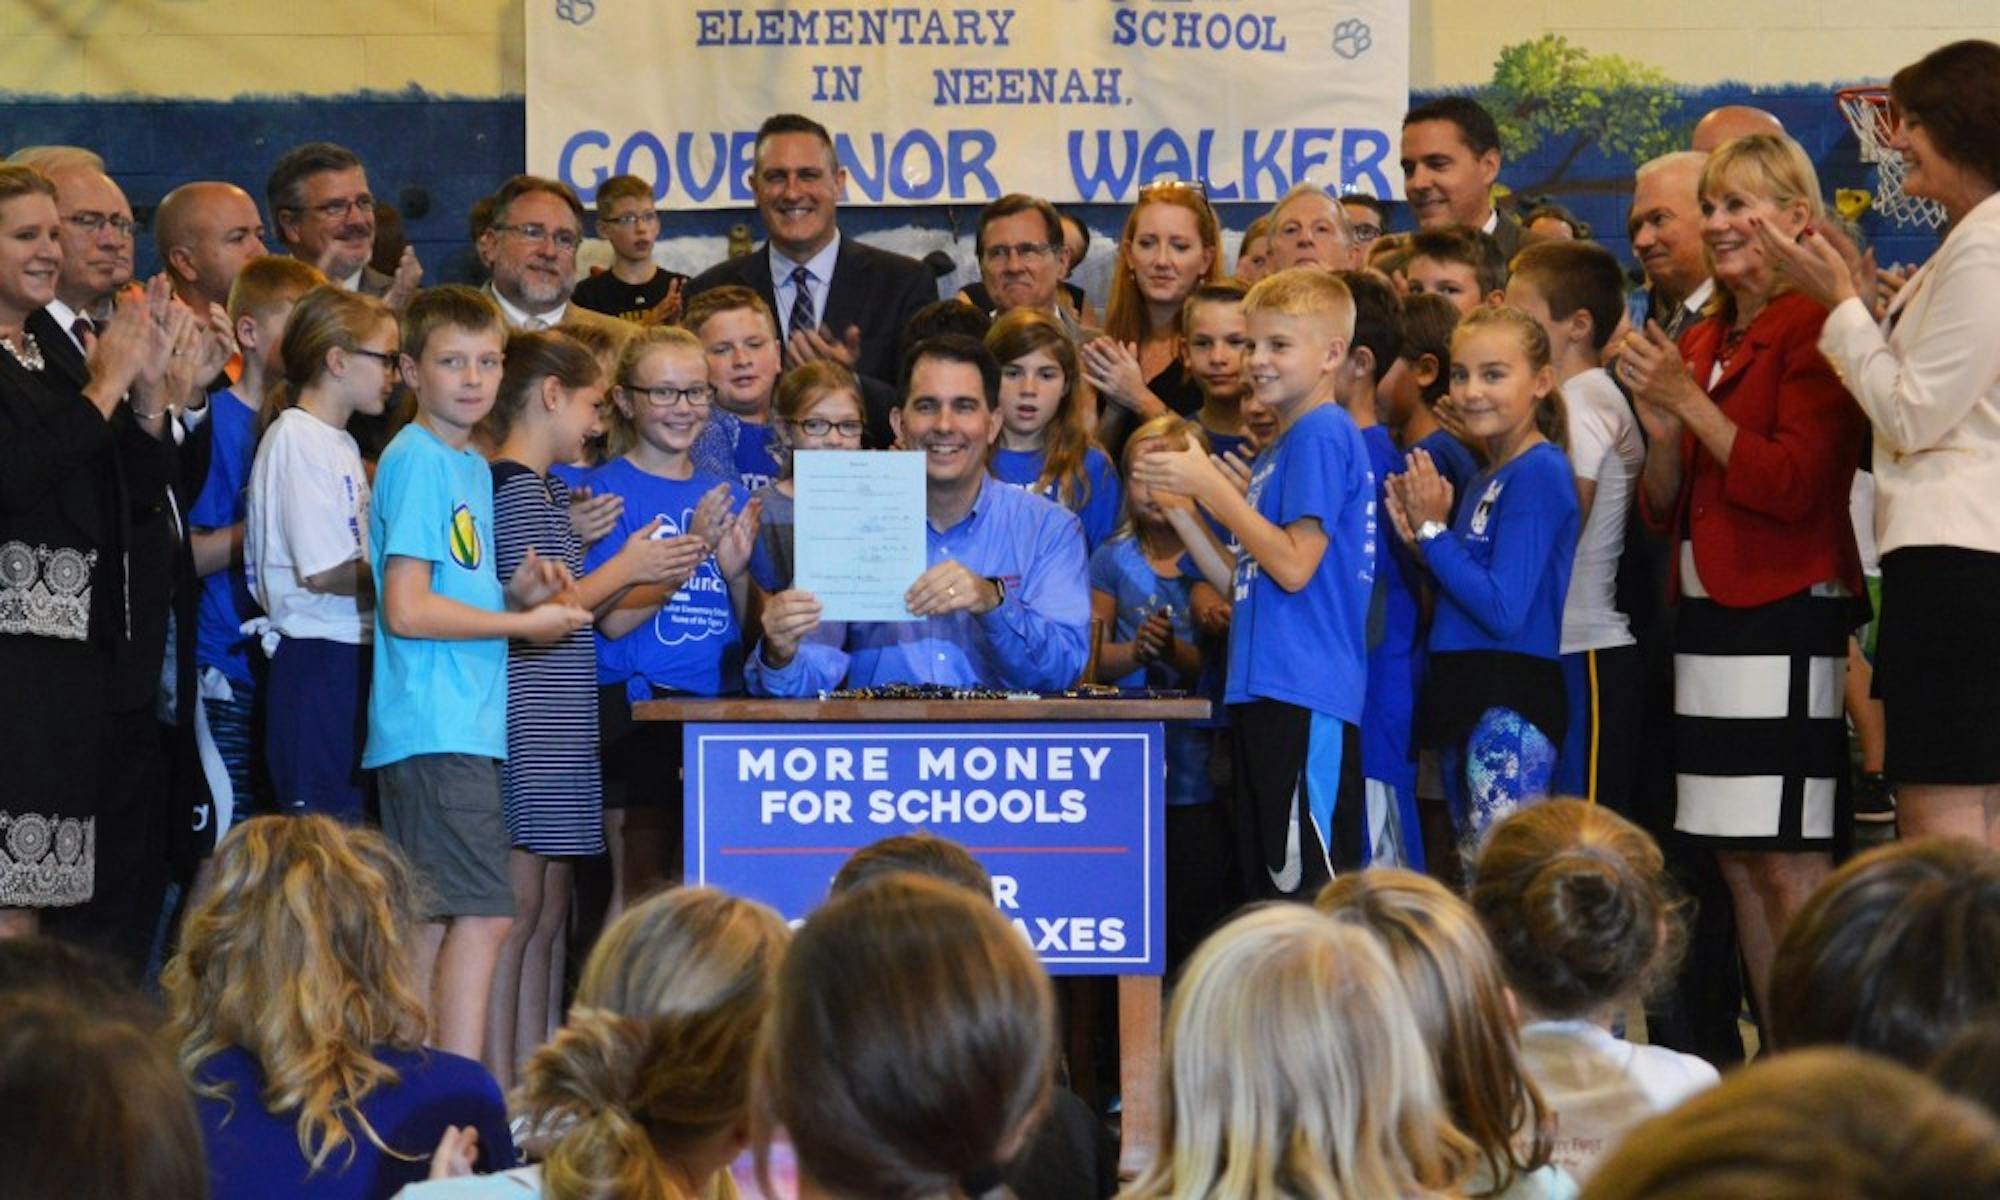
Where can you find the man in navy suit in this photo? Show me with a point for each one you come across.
(834, 297)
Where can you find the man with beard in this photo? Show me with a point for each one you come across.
(325, 215)
(530, 250)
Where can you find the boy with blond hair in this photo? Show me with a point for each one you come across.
(1305, 576)
(260, 301)
(437, 704)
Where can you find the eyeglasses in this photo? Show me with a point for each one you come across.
(696, 397)
(337, 210)
(565, 239)
(1365, 234)
(1028, 252)
(1169, 182)
(91, 222)
(629, 220)
(820, 427)
(386, 357)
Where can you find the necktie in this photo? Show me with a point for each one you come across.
(802, 300)
(535, 324)
(81, 327)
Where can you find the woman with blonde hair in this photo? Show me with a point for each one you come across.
(1295, 1071)
(1448, 968)
(1170, 247)
(295, 1013)
(1752, 445)
(647, 1088)
(911, 1046)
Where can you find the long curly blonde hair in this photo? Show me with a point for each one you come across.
(300, 954)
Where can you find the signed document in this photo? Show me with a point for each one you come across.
(858, 531)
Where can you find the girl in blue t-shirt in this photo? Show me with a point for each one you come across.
(1140, 589)
(1493, 705)
(654, 641)
(1044, 441)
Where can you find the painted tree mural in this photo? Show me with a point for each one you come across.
(1548, 91)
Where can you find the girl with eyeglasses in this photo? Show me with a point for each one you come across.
(1045, 441)
(655, 640)
(817, 406)
(305, 548)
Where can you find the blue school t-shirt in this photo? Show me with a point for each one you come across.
(1503, 570)
(1386, 723)
(1309, 647)
(1454, 460)
(693, 643)
(757, 462)
(224, 500)
(435, 504)
(1120, 570)
(1098, 511)
(1220, 444)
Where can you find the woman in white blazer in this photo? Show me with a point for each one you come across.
(1928, 376)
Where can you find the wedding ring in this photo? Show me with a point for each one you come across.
(951, 589)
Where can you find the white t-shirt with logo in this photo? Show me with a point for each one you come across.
(308, 513)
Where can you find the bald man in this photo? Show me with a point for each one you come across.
(205, 231)
(1732, 121)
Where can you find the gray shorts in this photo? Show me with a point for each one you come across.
(443, 811)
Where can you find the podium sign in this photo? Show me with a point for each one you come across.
(1066, 816)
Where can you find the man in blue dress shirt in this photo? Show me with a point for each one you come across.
(1006, 601)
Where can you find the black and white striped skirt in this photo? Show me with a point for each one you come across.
(1760, 731)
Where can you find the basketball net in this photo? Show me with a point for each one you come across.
(1866, 110)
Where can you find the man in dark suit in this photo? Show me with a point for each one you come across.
(834, 297)
(1451, 156)
(325, 214)
(149, 783)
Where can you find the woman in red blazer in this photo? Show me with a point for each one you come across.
(1753, 444)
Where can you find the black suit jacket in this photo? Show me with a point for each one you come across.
(875, 291)
(1507, 231)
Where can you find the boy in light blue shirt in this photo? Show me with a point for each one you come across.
(437, 706)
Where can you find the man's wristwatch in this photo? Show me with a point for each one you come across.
(1429, 530)
(999, 590)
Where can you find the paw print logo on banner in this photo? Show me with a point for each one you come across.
(576, 12)
(1352, 38)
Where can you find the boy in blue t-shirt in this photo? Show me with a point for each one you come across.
(437, 705)
(260, 302)
(1298, 634)
(1393, 834)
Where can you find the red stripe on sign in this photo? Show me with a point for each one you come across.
(788, 850)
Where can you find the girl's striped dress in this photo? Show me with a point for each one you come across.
(554, 785)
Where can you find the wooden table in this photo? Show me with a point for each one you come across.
(1139, 1008)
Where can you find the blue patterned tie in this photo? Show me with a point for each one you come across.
(802, 299)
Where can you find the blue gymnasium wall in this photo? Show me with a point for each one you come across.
(446, 153)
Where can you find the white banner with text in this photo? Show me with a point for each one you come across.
(950, 103)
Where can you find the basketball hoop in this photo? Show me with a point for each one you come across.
(1867, 112)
